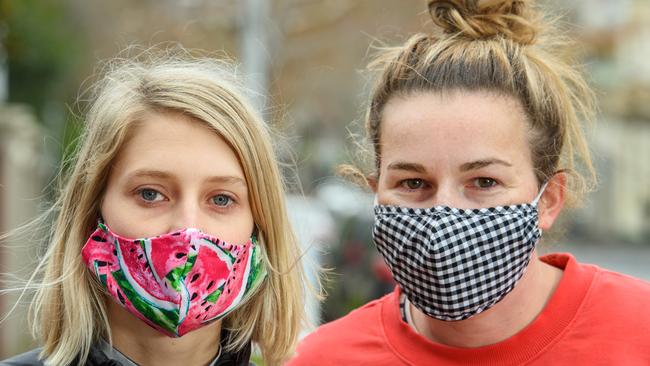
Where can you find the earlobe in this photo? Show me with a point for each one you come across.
(552, 201)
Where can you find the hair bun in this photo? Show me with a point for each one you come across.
(480, 19)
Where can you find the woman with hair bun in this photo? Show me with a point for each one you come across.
(477, 146)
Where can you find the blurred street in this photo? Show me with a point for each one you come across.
(628, 258)
(305, 65)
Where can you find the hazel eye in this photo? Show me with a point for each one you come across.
(413, 183)
(150, 195)
(484, 182)
(222, 200)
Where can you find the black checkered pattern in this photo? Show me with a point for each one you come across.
(455, 263)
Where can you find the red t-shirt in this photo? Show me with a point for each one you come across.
(595, 317)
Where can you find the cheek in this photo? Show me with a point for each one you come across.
(388, 194)
(383, 192)
(117, 215)
(110, 208)
(125, 219)
(235, 228)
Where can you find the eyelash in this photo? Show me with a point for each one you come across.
(423, 184)
(404, 184)
(477, 186)
(139, 192)
(227, 206)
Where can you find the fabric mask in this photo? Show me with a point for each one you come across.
(455, 263)
(176, 282)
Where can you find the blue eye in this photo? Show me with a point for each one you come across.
(150, 195)
(222, 200)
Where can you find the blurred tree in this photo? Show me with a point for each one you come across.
(43, 50)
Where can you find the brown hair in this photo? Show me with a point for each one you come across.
(501, 47)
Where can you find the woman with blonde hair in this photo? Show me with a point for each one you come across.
(171, 244)
(477, 145)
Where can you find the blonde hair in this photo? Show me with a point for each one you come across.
(69, 313)
(502, 47)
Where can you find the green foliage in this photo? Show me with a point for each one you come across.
(70, 136)
(43, 49)
(257, 360)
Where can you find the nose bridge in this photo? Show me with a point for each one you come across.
(187, 214)
(445, 194)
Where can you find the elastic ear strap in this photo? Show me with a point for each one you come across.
(255, 234)
(539, 195)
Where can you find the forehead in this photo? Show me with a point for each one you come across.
(177, 144)
(456, 126)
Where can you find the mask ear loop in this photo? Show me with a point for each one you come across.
(255, 235)
(536, 201)
(101, 224)
(539, 195)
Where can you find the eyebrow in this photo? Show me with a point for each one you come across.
(158, 174)
(411, 167)
(146, 173)
(478, 164)
(228, 179)
(472, 165)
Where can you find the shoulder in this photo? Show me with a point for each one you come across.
(362, 320)
(623, 289)
(605, 284)
(357, 333)
(616, 307)
(25, 359)
(612, 323)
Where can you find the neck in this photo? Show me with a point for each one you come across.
(146, 346)
(509, 316)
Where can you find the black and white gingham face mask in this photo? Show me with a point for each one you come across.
(455, 263)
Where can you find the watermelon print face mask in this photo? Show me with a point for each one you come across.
(175, 282)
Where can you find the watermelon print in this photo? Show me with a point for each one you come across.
(175, 282)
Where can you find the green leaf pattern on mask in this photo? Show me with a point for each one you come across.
(165, 318)
(257, 271)
(154, 307)
(176, 275)
(213, 297)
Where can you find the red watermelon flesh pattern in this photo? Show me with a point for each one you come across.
(170, 253)
(133, 254)
(204, 280)
(102, 253)
(210, 272)
(205, 290)
(235, 286)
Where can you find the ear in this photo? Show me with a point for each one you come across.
(552, 201)
(373, 180)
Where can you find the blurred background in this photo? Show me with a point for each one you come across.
(306, 61)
